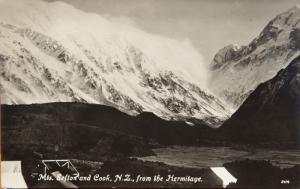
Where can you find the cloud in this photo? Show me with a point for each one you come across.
(62, 20)
(169, 53)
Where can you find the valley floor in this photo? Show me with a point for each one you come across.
(248, 172)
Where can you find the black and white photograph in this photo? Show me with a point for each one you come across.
(150, 94)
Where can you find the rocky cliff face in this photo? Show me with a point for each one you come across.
(271, 113)
(237, 70)
(89, 60)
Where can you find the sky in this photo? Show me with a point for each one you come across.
(208, 24)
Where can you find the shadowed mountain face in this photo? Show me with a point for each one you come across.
(271, 113)
(90, 129)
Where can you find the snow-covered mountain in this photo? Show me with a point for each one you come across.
(52, 52)
(237, 70)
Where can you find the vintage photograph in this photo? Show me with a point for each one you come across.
(150, 93)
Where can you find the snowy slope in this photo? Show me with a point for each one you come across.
(53, 52)
(237, 70)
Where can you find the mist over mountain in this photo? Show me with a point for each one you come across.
(52, 52)
(237, 70)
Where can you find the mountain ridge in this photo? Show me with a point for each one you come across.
(45, 60)
(237, 70)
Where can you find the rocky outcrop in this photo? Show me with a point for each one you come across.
(226, 54)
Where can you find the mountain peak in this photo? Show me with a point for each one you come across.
(289, 18)
(295, 8)
(257, 62)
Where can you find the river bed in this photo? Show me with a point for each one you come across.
(201, 157)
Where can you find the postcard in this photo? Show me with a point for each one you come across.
(150, 93)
